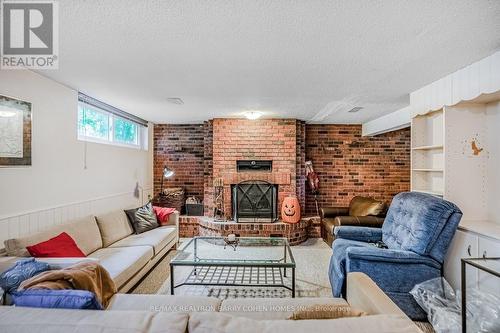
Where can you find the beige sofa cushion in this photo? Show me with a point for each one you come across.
(200, 322)
(326, 311)
(6, 263)
(30, 320)
(123, 263)
(114, 226)
(364, 294)
(157, 238)
(273, 308)
(84, 231)
(63, 262)
(164, 303)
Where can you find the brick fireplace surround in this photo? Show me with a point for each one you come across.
(347, 165)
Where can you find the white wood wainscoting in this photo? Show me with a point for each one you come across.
(33, 221)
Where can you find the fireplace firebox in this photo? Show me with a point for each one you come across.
(254, 201)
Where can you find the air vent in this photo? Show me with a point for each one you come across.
(175, 100)
(355, 109)
(254, 165)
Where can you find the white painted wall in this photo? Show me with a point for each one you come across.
(493, 163)
(57, 177)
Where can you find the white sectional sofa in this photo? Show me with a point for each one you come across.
(179, 314)
(110, 239)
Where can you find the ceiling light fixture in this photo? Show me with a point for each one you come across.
(175, 100)
(355, 109)
(253, 115)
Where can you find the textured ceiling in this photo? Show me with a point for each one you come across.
(308, 59)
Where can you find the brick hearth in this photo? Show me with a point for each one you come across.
(297, 233)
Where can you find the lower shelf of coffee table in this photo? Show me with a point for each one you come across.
(237, 276)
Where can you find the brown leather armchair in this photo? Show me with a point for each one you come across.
(362, 212)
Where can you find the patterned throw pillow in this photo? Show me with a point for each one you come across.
(22, 270)
(142, 218)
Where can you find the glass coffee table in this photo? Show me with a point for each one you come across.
(245, 262)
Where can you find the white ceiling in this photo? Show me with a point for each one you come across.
(307, 59)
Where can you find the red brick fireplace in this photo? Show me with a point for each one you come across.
(347, 164)
(268, 139)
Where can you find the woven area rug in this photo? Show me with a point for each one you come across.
(311, 257)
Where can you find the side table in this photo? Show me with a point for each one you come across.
(488, 265)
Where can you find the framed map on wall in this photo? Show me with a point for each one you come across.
(15, 132)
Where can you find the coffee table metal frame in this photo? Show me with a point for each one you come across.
(237, 272)
(481, 264)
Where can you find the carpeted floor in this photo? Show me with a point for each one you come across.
(152, 282)
(311, 257)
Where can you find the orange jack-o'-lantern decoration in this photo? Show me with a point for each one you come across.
(290, 209)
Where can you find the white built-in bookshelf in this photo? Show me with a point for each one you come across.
(455, 155)
(427, 153)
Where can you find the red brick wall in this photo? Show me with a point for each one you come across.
(208, 152)
(265, 139)
(181, 148)
(349, 164)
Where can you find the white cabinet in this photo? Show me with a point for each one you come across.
(487, 282)
(469, 244)
(455, 155)
(464, 245)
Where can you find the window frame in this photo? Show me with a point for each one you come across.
(141, 141)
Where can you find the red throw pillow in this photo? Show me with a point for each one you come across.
(162, 214)
(60, 246)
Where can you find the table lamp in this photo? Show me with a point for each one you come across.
(167, 173)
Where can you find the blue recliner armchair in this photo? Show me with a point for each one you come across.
(409, 249)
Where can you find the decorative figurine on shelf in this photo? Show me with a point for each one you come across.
(219, 199)
(290, 209)
(232, 241)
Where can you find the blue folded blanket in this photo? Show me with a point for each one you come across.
(60, 299)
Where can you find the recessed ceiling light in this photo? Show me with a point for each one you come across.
(175, 100)
(355, 109)
(253, 115)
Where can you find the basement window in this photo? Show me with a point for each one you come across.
(101, 123)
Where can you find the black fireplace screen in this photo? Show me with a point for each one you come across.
(254, 201)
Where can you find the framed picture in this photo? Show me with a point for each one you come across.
(15, 132)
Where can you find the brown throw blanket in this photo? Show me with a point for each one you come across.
(82, 276)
